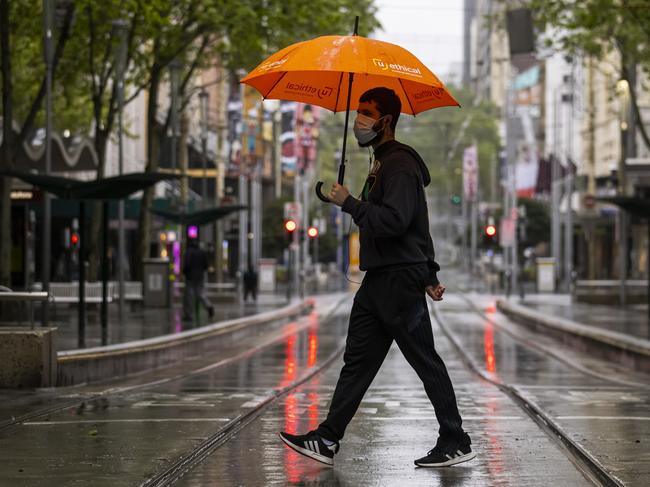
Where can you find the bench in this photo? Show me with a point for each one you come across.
(606, 291)
(68, 292)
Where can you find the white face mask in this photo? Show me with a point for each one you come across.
(363, 128)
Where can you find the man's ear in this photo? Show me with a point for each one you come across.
(389, 120)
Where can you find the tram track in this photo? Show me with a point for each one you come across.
(584, 461)
(113, 391)
(186, 463)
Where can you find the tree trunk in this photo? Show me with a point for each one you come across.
(101, 140)
(7, 146)
(153, 148)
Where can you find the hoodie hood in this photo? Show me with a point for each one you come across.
(393, 145)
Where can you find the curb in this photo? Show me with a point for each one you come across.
(122, 359)
(632, 352)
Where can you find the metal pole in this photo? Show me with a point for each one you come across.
(295, 245)
(81, 337)
(555, 192)
(104, 306)
(243, 225)
(514, 268)
(474, 237)
(204, 98)
(174, 74)
(120, 27)
(463, 254)
(47, 199)
(506, 188)
(647, 259)
(568, 228)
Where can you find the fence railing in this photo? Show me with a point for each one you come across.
(28, 298)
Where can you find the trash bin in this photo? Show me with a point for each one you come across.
(156, 283)
(545, 274)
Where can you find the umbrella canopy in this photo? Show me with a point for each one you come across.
(113, 188)
(635, 206)
(314, 72)
(199, 217)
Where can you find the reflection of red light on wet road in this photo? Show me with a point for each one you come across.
(490, 309)
(289, 362)
(312, 411)
(291, 458)
(488, 344)
(313, 348)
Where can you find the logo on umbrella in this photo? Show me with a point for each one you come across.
(396, 68)
(380, 64)
(308, 89)
(428, 94)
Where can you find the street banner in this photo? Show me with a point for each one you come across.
(470, 173)
(234, 126)
(288, 138)
(292, 211)
(507, 232)
(307, 125)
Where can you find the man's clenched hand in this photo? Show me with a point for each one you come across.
(338, 194)
(435, 292)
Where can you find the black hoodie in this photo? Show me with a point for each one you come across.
(392, 215)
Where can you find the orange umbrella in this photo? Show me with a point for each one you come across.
(316, 72)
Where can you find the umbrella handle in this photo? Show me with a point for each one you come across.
(320, 194)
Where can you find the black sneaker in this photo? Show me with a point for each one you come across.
(312, 446)
(446, 455)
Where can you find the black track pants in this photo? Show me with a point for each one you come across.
(391, 305)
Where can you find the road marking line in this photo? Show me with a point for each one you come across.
(631, 418)
(142, 420)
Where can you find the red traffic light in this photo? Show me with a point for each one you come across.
(74, 238)
(490, 230)
(290, 226)
(312, 232)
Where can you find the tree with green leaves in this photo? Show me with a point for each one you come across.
(598, 28)
(23, 92)
(239, 36)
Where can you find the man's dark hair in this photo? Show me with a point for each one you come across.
(388, 103)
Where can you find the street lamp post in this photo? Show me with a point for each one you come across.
(120, 27)
(204, 98)
(48, 52)
(174, 78)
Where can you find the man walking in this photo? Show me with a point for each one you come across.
(194, 266)
(398, 257)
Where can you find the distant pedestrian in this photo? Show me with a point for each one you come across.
(195, 264)
(250, 283)
(397, 253)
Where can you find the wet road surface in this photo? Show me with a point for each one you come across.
(127, 438)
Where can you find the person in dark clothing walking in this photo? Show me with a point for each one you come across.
(195, 264)
(398, 256)
(250, 283)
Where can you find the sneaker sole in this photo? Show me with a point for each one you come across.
(308, 453)
(449, 463)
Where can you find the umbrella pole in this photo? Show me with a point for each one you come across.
(341, 176)
(345, 130)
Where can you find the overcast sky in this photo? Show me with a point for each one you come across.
(430, 29)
